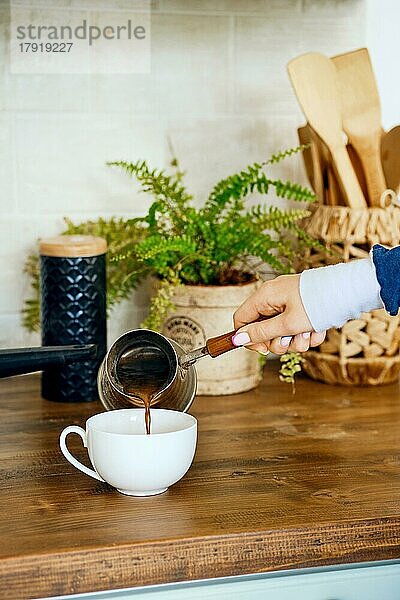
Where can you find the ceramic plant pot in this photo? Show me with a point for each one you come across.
(206, 311)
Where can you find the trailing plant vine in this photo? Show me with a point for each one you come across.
(290, 365)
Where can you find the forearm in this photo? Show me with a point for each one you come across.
(317, 300)
(335, 294)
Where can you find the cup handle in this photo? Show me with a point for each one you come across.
(82, 433)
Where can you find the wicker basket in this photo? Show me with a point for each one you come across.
(365, 351)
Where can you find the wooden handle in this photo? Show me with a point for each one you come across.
(220, 344)
(390, 152)
(346, 175)
(369, 153)
(223, 343)
(375, 178)
(305, 139)
(318, 166)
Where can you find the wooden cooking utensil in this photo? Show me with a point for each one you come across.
(313, 77)
(359, 171)
(361, 115)
(305, 140)
(390, 153)
(312, 162)
(332, 191)
(316, 165)
(332, 194)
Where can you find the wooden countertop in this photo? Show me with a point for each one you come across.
(278, 481)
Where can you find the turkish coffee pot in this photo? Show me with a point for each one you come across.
(141, 355)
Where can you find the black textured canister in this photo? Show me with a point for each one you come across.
(73, 311)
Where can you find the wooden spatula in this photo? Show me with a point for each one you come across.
(361, 116)
(390, 153)
(313, 77)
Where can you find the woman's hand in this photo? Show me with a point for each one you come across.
(288, 326)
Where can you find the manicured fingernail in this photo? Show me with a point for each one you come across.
(306, 335)
(241, 339)
(285, 341)
(263, 352)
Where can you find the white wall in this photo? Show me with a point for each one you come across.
(218, 88)
(382, 39)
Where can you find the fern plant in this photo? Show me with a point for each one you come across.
(222, 242)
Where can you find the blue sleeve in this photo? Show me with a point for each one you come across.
(387, 266)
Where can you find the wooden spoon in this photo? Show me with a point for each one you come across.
(390, 153)
(313, 77)
(361, 116)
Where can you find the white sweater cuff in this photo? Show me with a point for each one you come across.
(335, 294)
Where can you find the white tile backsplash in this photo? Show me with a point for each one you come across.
(261, 7)
(12, 334)
(261, 82)
(210, 149)
(7, 164)
(19, 238)
(189, 71)
(124, 317)
(47, 93)
(90, 5)
(66, 172)
(4, 28)
(218, 89)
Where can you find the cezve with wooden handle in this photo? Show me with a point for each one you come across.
(361, 116)
(313, 77)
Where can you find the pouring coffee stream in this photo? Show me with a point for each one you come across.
(143, 374)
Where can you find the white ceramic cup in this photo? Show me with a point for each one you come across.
(131, 461)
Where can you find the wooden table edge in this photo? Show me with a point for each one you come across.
(187, 559)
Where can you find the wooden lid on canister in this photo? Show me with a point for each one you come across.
(72, 246)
